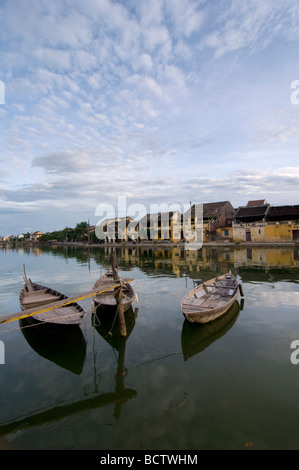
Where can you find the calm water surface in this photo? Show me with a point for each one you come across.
(170, 385)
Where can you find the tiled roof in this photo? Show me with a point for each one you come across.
(258, 202)
(283, 213)
(250, 212)
(211, 209)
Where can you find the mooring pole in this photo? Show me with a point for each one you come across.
(114, 265)
(120, 312)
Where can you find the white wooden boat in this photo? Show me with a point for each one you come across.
(60, 319)
(107, 299)
(211, 299)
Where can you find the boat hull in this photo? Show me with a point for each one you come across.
(58, 320)
(106, 300)
(211, 299)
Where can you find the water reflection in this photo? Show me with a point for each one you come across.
(195, 338)
(60, 355)
(32, 397)
(175, 261)
(66, 351)
(106, 324)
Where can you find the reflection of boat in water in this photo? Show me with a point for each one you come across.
(117, 397)
(67, 351)
(108, 327)
(196, 338)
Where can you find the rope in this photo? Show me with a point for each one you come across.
(34, 324)
(63, 316)
(109, 333)
(115, 316)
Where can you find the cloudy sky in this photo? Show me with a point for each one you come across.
(151, 101)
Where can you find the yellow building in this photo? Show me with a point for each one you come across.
(35, 235)
(216, 219)
(167, 226)
(224, 233)
(265, 223)
(282, 224)
(112, 230)
(249, 222)
(161, 226)
(278, 231)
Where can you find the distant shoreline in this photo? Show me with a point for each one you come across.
(150, 244)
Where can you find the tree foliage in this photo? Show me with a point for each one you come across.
(69, 234)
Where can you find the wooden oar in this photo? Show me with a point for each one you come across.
(59, 303)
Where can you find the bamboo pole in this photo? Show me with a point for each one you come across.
(119, 295)
(60, 303)
(120, 312)
(114, 265)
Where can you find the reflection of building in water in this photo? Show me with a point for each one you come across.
(174, 260)
(266, 257)
(179, 262)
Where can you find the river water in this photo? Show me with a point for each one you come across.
(232, 384)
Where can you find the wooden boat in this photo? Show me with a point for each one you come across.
(60, 319)
(211, 299)
(107, 299)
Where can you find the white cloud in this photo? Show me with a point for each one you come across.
(152, 99)
(186, 16)
(143, 62)
(54, 59)
(157, 37)
(250, 24)
(281, 125)
(274, 185)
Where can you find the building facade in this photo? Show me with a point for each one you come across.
(265, 223)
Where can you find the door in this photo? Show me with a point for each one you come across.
(248, 235)
(296, 235)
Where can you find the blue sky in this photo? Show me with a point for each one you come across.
(157, 101)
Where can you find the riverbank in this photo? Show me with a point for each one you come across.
(168, 244)
(151, 244)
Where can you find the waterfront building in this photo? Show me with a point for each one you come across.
(261, 222)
